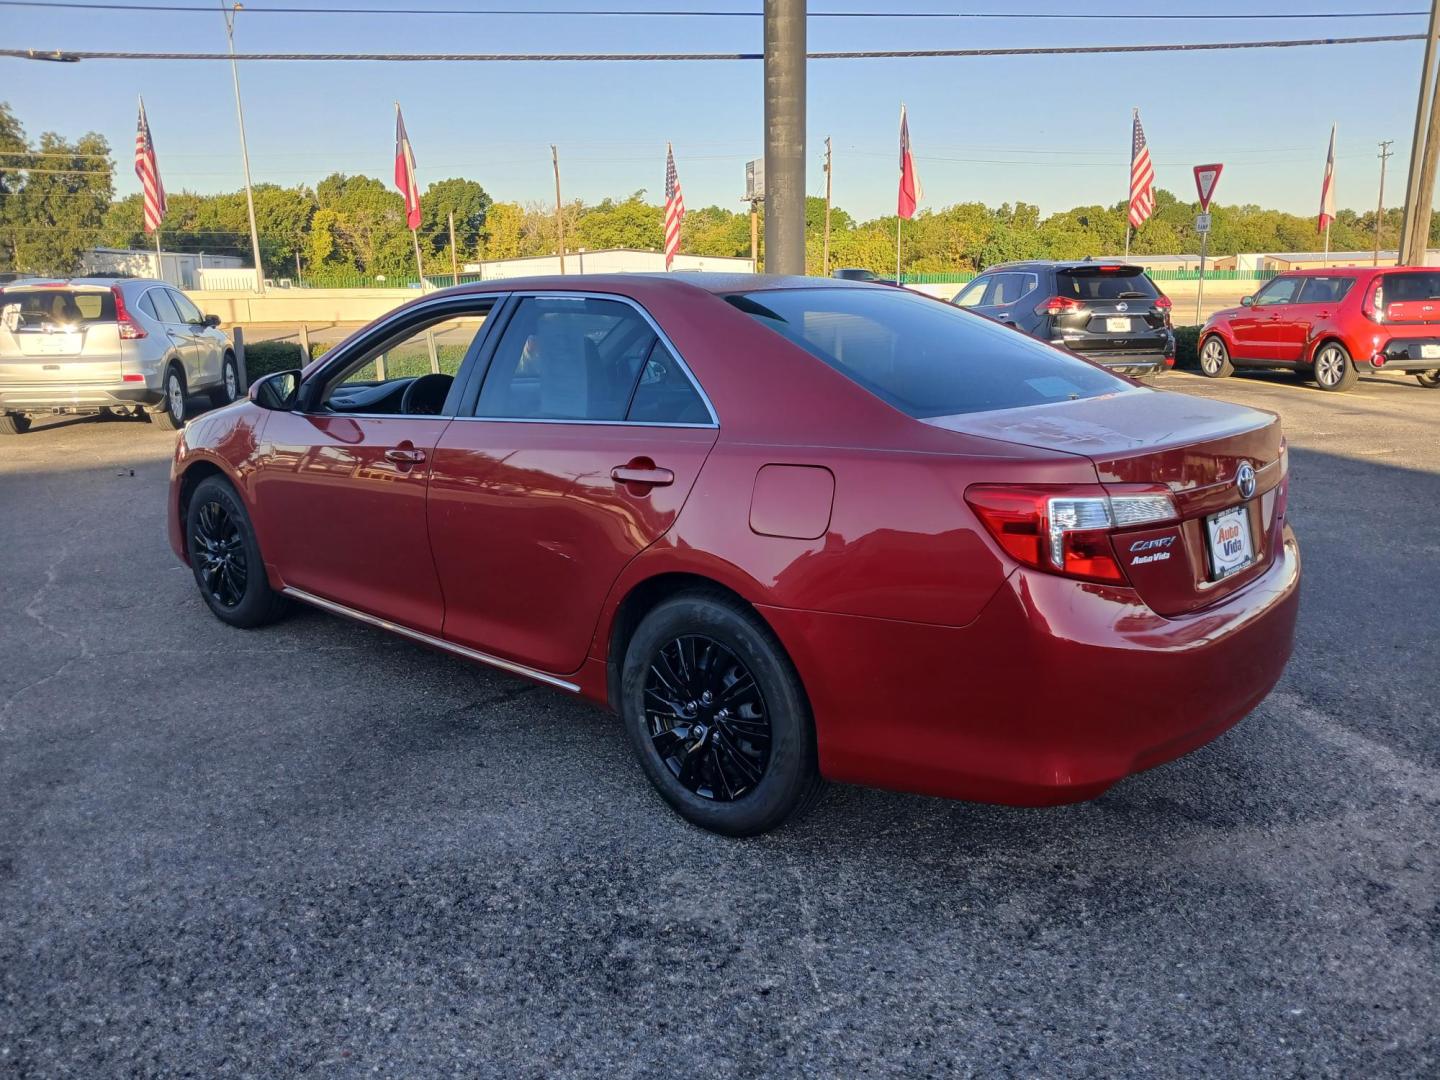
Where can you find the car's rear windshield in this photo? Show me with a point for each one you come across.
(1412, 285)
(34, 309)
(1100, 283)
(924, 357)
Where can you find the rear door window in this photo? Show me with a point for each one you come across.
(164, 309)
(1324, 290)
(922, 357)
(189, 313)
(1100, 283)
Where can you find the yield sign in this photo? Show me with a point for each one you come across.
(1206, 177)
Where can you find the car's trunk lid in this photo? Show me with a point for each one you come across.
(1195, 448)
(1107, 306)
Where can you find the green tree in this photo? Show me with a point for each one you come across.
(59, 209)
(632, 223)
(469, 203)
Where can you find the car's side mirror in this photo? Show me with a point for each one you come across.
(212, 321)
(277, 390)
(1247, 301)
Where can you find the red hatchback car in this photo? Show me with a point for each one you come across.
(787, 528)
(1332, 324)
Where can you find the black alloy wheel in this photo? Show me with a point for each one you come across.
(717, 715)
(225, 557)
(707, 718)
(218, 549)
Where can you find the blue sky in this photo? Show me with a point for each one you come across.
(1052, 131)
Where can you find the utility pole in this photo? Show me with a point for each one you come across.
(229, 13)
(1418, 214)
(785, 136)
(1385, 155)
(755, 235)
(559, 215)
(1418, 145)
(454, 257)
(829, 174)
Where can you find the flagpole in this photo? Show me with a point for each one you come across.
(1327, 244)
(1130, 180)
(159, 263)
(898, 220)
(419, 266)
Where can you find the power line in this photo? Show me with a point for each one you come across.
(858, 54)
(708, 14)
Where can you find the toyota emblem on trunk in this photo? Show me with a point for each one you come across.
(1245, 479)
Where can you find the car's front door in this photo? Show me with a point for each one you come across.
(207, 347)
(582, 445)
(340, 490)
(1256, 329)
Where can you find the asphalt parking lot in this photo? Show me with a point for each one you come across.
(317, 848)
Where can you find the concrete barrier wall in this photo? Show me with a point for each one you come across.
(320, 307)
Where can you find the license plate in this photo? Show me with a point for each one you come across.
(60, 344)
(1117, 325)
(1430, 352)
(1230, 546)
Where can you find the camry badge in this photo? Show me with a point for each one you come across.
(1245, 479)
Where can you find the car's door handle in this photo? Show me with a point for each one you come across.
(405, 455)
(642, 471)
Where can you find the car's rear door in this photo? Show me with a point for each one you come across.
(339, 492)
(1314, 305)
(579, 450)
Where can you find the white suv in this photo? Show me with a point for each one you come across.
(126, 345)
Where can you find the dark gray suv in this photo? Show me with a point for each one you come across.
(1107, 312)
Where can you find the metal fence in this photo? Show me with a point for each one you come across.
(961, 277)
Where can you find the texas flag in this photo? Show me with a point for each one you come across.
(1327, 188)
(911, 192)
(405, 172)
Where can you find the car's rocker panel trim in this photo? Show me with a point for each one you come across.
(428, 639)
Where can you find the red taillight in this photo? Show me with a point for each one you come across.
(1067, 529)
(1163, 302)
(130, 330)
(1057, 305)
(1374, 306)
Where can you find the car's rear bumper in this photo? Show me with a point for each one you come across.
(1403, 354)
(1054, 693)
(1128, 362)
(48, 397)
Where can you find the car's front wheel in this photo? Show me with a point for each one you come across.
(172, 414)
(718, 717)
(225, 557)
(14, 424)
(1334, 370)
(1429, 379)
(1215, 358)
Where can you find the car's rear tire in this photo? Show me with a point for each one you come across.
(1215, 358)
(1333, 369)
(1428, 379)
(175, 411)
(229, 388)
(717, 715)
(225, 557)
(14, 424)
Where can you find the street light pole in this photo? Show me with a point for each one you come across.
(229, 12)
(785, 136)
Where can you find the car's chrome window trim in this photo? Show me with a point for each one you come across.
(566, 294)
(429, 639)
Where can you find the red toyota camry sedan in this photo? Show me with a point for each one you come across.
(786, 528)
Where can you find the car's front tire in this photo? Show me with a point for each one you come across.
(1215, 358)
(717, 715)
(1333, 369)
(175, 411)
(229, 388)
(225, 557)
(14, 424)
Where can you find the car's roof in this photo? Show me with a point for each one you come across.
(1063, 264)
(637, 284)
(82, 282)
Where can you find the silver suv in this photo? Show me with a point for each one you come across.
(124, 345)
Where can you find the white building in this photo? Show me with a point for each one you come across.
(179, 268)
(608, 261)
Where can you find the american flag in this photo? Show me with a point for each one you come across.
(148, 170)
(674, 207)
(1142, 177)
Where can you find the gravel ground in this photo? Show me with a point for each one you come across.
(317, 848)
